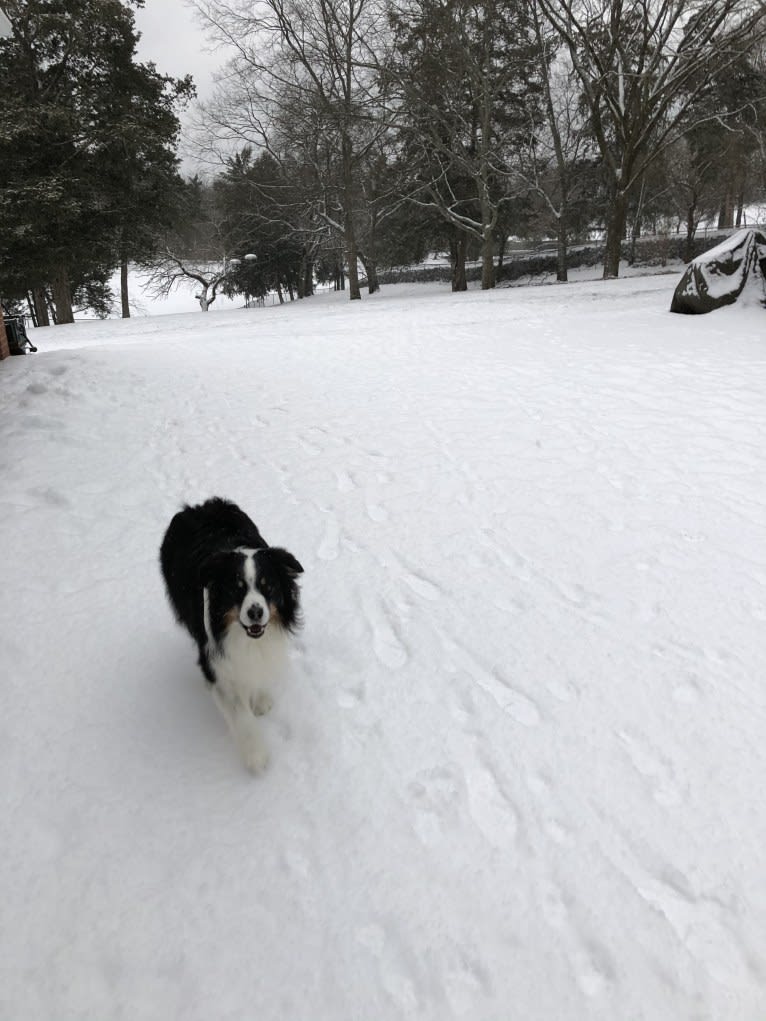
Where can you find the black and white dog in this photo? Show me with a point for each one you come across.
(238, 598)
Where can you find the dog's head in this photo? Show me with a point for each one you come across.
(254, 589)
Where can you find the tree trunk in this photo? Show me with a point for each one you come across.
(40, 302)
(348, 222)
(371, 265)
(740, 208)
(501, 253)
(562, 253)
(303, 279)
(615, 232)
(488, 260)
(371, 270)
(279, 293)
(124, 288)
(635, 232)
(62, 296)
(308, 278)
(691, 228)
(726, 213)
(373, 284)
(457, 255)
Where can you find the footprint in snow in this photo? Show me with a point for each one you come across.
(518, 706)
(438, 796)
(491, 808)
(329, 547)
(309, 447)
(50, 496)
(375, 512)
(396, 966)
(594, 969)
(653, 768)
(385, 642)
(421, 586)
(350, 696)
(345, 481)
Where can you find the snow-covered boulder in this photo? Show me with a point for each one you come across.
(719, 276)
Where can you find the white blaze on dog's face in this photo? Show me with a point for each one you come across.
(254, 610)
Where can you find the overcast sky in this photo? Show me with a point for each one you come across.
(172, 38)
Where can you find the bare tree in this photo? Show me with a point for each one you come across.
(642, 64)
(307, 69)
(557, 150)
(169, 269)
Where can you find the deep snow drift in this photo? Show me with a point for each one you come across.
(517, 772)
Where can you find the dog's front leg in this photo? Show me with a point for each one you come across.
(243, 727)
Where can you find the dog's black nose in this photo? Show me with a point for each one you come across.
(255, 612)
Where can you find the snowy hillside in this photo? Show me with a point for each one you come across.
(517, 772)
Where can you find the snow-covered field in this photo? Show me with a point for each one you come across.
(518, 770)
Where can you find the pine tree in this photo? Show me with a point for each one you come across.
(87, 141)
(469, 82)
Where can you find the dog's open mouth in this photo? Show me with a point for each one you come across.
(255, 630)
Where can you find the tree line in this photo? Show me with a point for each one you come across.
(366, 133)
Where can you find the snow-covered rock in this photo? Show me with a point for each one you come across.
(719, 276)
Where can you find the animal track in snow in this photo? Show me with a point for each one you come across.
(490, 807)
(700, 924)
(517, 705)
(397, 975)
(553, 906)
(329, 547)
(421, 586)
(49, 495)
(653, 768)
(562, 690)
(350, 696)
(345, 481)
(437, 795)
(464, 977)
(375, 512)
(594, 969)
(687, 691)
(540, 787)
(385, 641)
(309, 447)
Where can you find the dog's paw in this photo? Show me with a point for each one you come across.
(261, 703)
(255, 756)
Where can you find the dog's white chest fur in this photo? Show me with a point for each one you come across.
(248, 668)
(246, 671)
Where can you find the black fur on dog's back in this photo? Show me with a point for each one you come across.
(193, 555)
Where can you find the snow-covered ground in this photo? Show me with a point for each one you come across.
(518, 770)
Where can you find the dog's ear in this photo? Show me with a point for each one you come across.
(286, 561)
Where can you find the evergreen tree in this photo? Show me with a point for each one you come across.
(87, 141)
